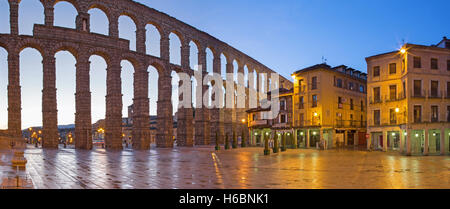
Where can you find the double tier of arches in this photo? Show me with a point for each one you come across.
(154, 54)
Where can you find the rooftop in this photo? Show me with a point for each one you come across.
(343, 69)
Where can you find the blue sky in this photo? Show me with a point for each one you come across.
(284, 35)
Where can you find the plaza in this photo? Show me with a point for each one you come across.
(242, 168)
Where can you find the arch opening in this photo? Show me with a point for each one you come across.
(193, 55)
(30, 13)
(4, 17)
(175, 98)
(175, 49)
(153, 88)
(31, 82)
(65, 85)
(127, 75)
(127, 30)
(98, 87)
(65, 15)
(152, 41)
(3, 89)
(98, 21)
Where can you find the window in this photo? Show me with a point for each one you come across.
(351, 104)
(434, 114)
(351, 119)
(376, 94)
(404, 89)
(403, 65)
(283, 105)
(300, 103)
(392, 92)
(314, 83)
(393, 116)
(448, 113)
(314, 100)
(362, 106)
(434, 63)
(417, 113)
(448, 89)
(434, 89)
(376, 117)
(350, 86)
(376, 71)
(417, 62)
(253, 117)
(392, 68)
(361, 88)
(339, 83)
(448, 65)
(302, 119)
(417, 88)
(283, 118)
(340, 105)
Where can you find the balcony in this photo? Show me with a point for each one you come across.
(375, 100)
(260, 123)
(400, 96)
(434, 94)
(350, 124)
(418, 94)
(301, 89)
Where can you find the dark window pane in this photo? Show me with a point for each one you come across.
(314, 83)
(417, 62)
(376, 71)
(392, 68)
(434, 63)
(417, 87)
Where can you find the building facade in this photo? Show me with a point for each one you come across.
(409, 99)
(329, 106)
(263, 126)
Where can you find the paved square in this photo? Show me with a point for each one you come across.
(202, 168)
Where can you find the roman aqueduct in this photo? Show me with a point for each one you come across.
(81, 43)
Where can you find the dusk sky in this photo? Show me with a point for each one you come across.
(284, 35)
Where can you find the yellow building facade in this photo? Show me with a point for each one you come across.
(409, 100)
(329, 107)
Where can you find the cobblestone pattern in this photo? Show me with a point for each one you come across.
(48, 40)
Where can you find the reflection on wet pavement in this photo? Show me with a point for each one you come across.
(201, 168)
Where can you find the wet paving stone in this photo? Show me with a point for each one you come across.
(202, 167)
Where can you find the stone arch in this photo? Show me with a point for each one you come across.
(100, 6)
(71, 48)
(74, 3)
(132, 59)
(30, 43)
(100, 52)
(61, 17)
(31, 9)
